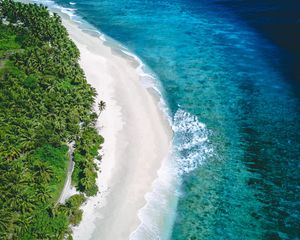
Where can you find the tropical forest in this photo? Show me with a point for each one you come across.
(46, 121)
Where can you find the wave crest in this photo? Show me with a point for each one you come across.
(191, 146)
(190, 149)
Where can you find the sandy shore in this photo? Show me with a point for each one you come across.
(137, 138)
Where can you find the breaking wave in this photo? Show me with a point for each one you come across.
(190, 149)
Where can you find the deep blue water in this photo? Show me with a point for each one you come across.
(232, 65)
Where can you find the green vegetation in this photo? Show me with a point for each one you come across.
(45, 103)
(72, 205)
(84, 175)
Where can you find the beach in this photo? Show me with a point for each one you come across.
(223, 79)
(137, 139)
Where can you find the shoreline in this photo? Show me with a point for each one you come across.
(137, 140)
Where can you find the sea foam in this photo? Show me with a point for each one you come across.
(190, 149)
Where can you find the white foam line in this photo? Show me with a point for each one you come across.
(149, 80)
(157, 215)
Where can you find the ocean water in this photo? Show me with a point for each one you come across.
(228, 72)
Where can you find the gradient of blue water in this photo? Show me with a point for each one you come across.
(241, 181)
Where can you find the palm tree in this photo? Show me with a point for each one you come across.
(12, 153)
(27, 139)
(43, 193)
(5, 221)
(22, 202)
(43, 172)
(101, 106)
(23, 222)
(87, 182)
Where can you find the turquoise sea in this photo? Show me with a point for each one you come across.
(228, 72)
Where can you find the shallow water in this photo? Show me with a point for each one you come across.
(230, 82)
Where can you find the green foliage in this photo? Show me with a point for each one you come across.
(31, 82)
(71, 208)
(56, 158)
(84, 175)
(76, 217)
(7, 40)
(45, 226)
(45, 102)
(75, 201)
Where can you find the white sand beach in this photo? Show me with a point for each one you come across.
(137, 140)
